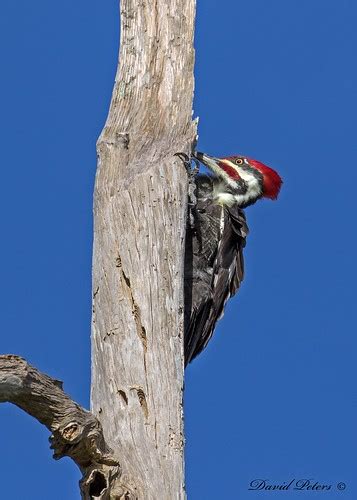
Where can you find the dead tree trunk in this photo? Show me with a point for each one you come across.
(131, 445)
(139, 211)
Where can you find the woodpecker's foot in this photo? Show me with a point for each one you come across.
(192, 200)
(192, 172)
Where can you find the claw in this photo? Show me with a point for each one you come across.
(183, 156)
(187, 162)
(192, 200)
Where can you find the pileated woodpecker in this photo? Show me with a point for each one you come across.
(214, 266)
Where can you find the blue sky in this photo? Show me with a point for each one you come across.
(274, 395)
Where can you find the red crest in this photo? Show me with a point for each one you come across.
(271, 179)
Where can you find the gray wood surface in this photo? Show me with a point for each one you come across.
(131, 445)
(139, 230)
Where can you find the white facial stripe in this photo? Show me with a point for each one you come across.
(211, 164)
(253, 185)
(252, 182)
(232, 165)
(229, 199)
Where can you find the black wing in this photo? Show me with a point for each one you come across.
(214, 266)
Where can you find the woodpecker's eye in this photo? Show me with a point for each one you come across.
(239, 161)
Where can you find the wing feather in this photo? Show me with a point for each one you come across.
(214, 267)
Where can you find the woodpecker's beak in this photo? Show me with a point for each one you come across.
(198, 155)
(209, 161)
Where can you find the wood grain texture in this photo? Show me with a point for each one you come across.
(76, 433)
(139, 231)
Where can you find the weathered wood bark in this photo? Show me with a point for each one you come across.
(76, 433)
(139, 231)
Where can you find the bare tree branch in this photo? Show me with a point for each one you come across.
(76, 433)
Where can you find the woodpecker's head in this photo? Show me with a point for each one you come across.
(243, 180)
